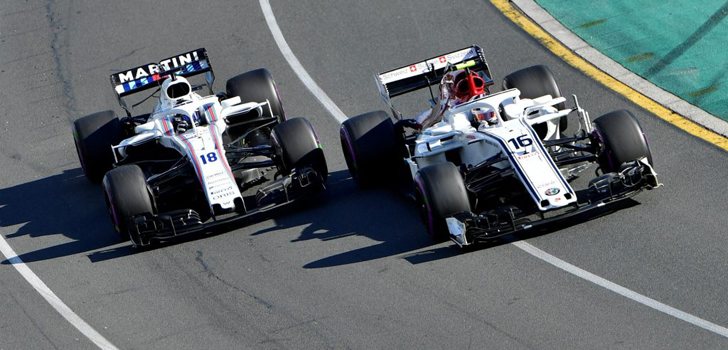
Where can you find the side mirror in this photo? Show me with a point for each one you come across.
(231, 102)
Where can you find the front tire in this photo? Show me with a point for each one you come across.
(297, 146)
(369, 144)
(93, 136)
(621, 139)
(440, 194)
(127, 195)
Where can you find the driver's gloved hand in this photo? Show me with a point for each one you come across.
(183, 126)
(408, 123)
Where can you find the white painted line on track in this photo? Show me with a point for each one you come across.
(52, 299)
(627, 293)
(330, 106)
(526, 247)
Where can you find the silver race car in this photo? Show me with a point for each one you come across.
(196, 161)
(482, 164)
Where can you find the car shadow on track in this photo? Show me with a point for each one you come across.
(384, 216)
(378, 214)
(315, 211)
(65, 204)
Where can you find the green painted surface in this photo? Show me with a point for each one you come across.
(679, 45)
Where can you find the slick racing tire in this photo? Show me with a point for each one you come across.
(297, 146)
(440, 193)
(126, 194)
(370, 148)
(621, 139)
(257, 86)
(94, 135)
(533, 82)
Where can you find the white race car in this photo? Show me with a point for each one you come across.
(482, 164)
(196, 161)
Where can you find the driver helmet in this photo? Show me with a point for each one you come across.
(467, 85)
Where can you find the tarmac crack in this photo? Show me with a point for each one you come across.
(56, 29)
(206, 269)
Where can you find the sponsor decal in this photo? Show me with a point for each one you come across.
(151, 69)
(552, 191)
(138, 73)
(423, 67)
(389, 77)
(526, 155)
(222, 193)
(551, 183)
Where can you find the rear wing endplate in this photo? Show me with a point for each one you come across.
(429, 72)
(151, 75)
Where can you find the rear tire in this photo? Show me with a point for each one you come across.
(622, 140)
(93, 136)
(370, 148)
(440, 194)
(257, 86)
(254, 86)
(297, 146)
(127, 195)
(533, 82)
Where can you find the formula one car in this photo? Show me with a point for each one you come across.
(483, 164)
(196, 161)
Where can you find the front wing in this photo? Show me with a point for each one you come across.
(164, 226)
(468, 228)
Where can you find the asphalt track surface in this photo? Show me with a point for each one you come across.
(355, 271)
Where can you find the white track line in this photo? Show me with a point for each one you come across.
(296, 64)
(52, 299)
(526, 247)
(627, 293)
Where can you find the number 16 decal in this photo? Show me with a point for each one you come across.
(209, 158)
(521, 141)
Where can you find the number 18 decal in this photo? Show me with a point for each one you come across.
(521, 141)
(209, 158)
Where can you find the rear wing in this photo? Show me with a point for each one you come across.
(429, 72)
(152, 75)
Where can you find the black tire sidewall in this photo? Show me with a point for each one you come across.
(257, 86)
(126, 194)
(441, 193)
(368, 142)
(93, 137)
(297, 145)
(533, 82)
(622, 140)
